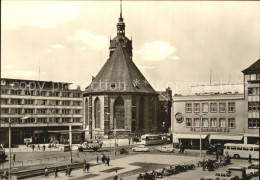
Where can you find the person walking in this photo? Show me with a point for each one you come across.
(115, 176)
(87, 167)
(14, 158)
(97, 158)
(33, 147)
(46, 172)
(217, 155)
(108, 160)
(84, 167)
(39, 147)
(43, 147)
(67, 170)
(56, 172)
(250, 159)
(70, 170)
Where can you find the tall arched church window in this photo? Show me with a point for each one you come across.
(97, 113)
(119, 113)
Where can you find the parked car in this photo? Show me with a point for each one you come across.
(140, 148)
(224, 176)
(168, 149)
(219, 176)
(255, 165)
(250, 172)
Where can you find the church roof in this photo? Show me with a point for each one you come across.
(119, 74)
(254, 68)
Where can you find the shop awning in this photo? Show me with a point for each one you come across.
(190, 136)
(226, 137)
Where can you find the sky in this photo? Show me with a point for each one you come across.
(175, 44)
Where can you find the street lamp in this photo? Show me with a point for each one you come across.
(200, 115)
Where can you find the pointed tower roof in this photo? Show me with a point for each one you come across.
(119, 74)
(254, 68)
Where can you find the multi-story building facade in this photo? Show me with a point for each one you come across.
(252, 99)
(39, 110)
(227, 114)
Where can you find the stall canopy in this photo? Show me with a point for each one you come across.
(226, 137)
(190, 136)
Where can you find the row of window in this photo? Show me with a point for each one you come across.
(253, 123)
(210, 107)
(252, 77)
(41, 120)
(40, 102)
(40, 111)
(41, 93)
(253, 106)
(212, 122)
(253, 91)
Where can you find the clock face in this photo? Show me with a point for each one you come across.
(179, 117)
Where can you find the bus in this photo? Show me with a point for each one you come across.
(152, 139)
(242, 150)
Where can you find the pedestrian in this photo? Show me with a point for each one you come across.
(56, 172)
(70, 170)
(108, 160)
(84, 167)
(39, 147)
(46, 172)
(43, 147)
(87, 167)
(33, 147)
(67, 170)
(250, 159)
(97, 158)
(14, 158)
(103, 158)
(115, 176)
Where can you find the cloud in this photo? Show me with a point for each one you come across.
(147, 67)
(57, 46)
(39, 13)
(85, 37)
(155, 51)
(176, 58)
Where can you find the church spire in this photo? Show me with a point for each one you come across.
(120, 8)
(120, 25)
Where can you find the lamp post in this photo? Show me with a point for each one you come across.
(70, 139)
(200, 115)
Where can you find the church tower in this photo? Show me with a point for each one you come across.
(119, 96)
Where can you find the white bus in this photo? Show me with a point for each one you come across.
(152, 139)
(242, 150)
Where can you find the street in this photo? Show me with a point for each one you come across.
(128, 166)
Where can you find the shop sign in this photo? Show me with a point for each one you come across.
(179, 117)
